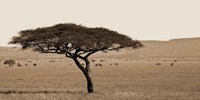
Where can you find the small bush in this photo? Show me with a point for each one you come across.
(9, 62)
(52, 61)
(172, 64)
(101, 60)
(116, 64)
(158, 64)
(34, 64)
(93, 60)
(29, 61)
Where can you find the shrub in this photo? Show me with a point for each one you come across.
(158, 64)
(29, 61)
(93, 60)
(172, 64)
(9, 62)
(34, 64)
(52, 61)
(101, 60)
(116, 64)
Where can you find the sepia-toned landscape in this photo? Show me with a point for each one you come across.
(162, 70)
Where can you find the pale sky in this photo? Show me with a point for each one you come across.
(139, 19)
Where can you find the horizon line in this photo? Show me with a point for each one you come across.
(146, 40)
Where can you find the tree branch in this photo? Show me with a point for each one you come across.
(90, 53)
(66, 55)
(79, 65)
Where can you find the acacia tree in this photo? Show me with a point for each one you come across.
(75, 41)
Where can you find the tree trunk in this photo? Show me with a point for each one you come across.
(89, 83)
(89, 80)
(88, 76)
(87, 73)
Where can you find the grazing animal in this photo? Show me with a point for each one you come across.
(19, 65)
(98, 64)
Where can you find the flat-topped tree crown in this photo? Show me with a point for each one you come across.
(65, 38)
(75, 41)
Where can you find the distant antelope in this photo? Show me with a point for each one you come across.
(19, 65)
(98, 64)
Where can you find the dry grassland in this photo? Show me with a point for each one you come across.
(126, 80)
(162, 70)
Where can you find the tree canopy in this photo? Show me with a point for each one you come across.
(69, 38)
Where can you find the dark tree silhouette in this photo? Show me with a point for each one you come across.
(75, 41)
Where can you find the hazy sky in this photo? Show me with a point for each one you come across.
(140, 19)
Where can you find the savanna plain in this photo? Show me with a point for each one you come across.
(162, 70)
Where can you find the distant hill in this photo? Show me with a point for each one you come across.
(19, 54)
(174, 48)
(187, 48)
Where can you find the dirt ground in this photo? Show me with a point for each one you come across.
(115, 80)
